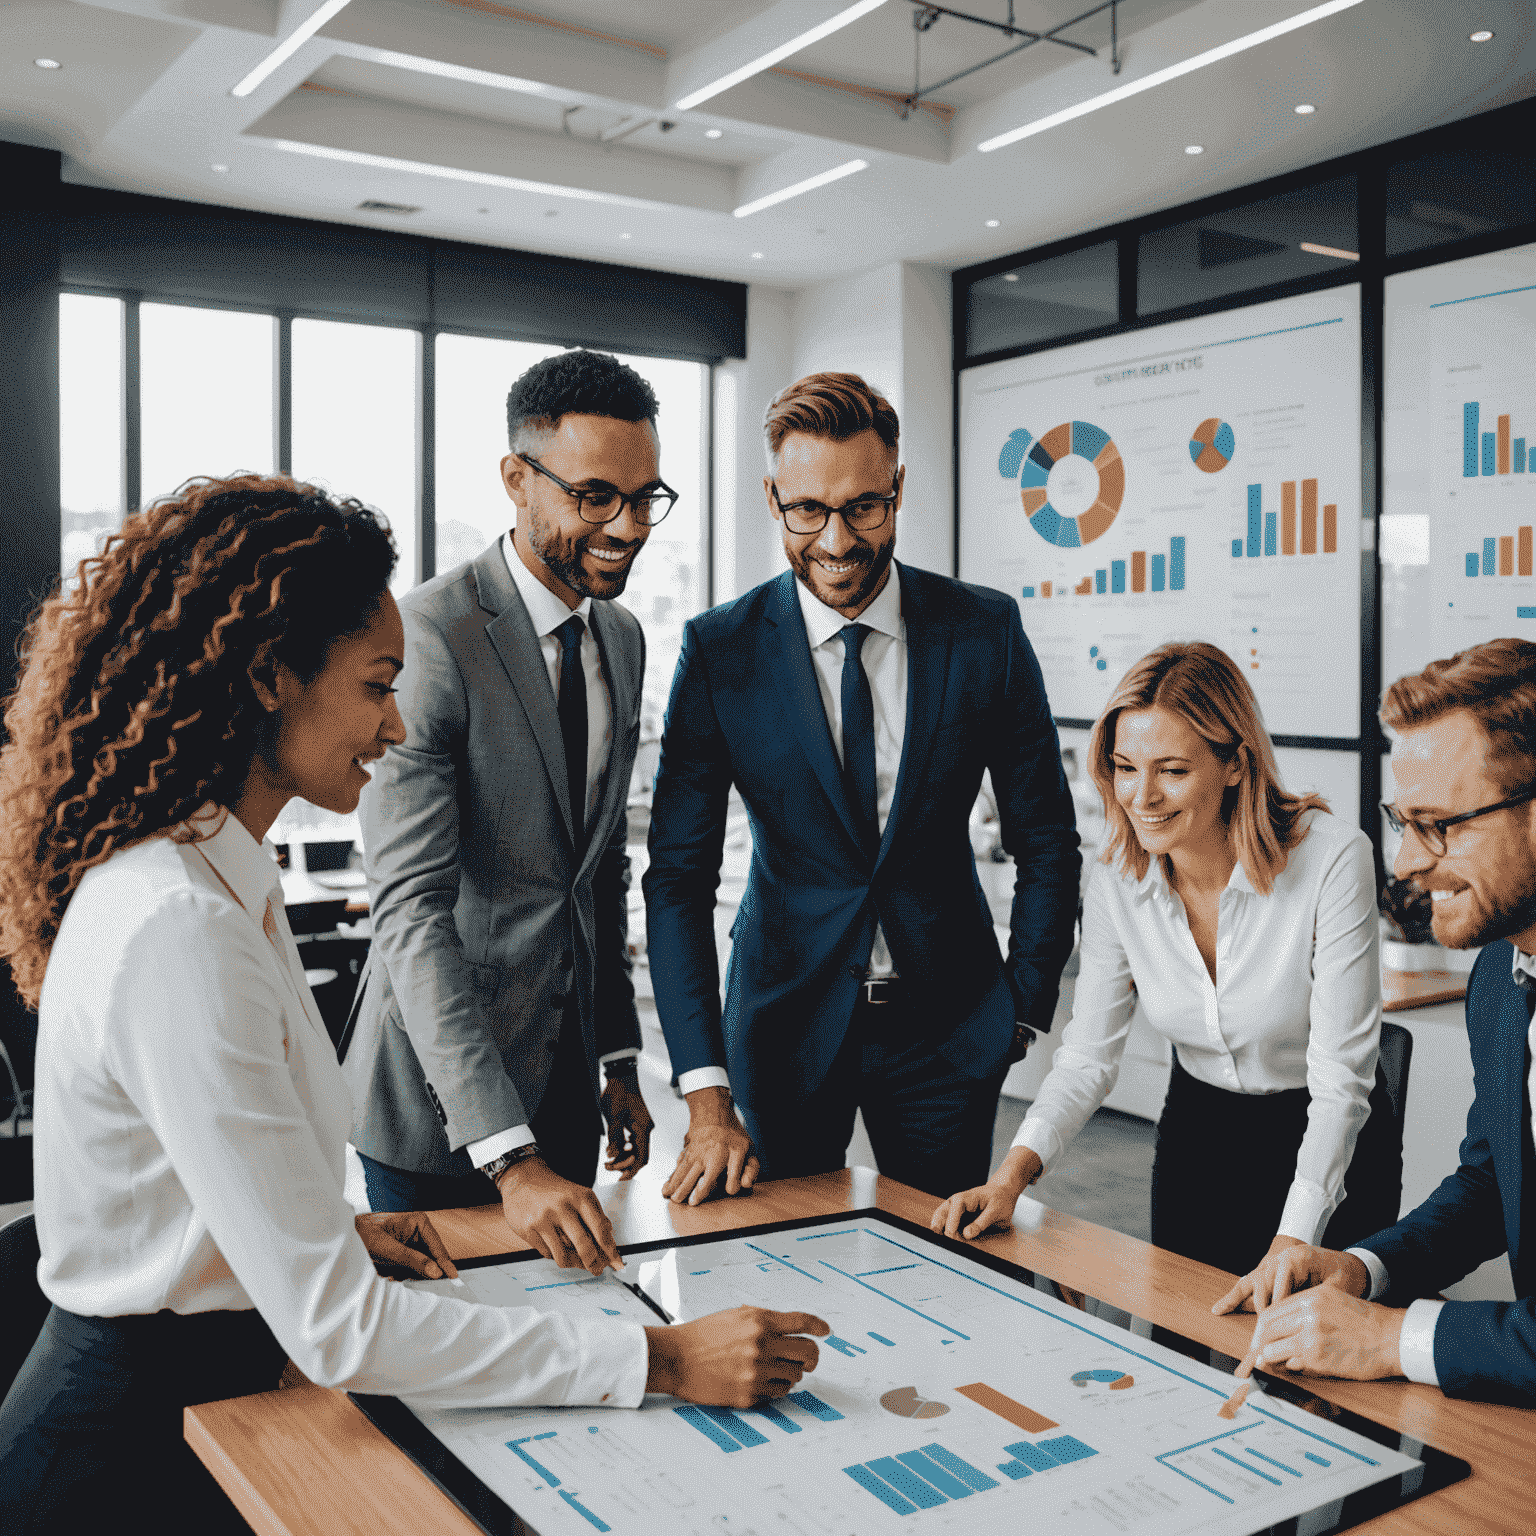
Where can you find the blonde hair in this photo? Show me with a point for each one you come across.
(1200, 684)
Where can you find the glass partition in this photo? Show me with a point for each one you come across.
(1039, 300)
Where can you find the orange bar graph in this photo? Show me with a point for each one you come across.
(1017, 1414)
(1506, 556)
(1139, 570)
(1525, 551)
(1502, 464)
(1330, 529)
(1287, 517)
(1045, 589)
(1084, 587)
(1309, 517)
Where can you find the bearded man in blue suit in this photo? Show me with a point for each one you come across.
(1465, 766)
(854, 702)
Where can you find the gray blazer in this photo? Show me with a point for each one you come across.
(482, 918)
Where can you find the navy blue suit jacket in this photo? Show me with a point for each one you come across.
(1484, 1349)
(746, 710)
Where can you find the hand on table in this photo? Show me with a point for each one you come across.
(558, 1219)
(991, 1204)
(733, 1359)
(388, 1235)
(717, 1144)
(1328, 1332)
(1290, 1267)
(629, 1125)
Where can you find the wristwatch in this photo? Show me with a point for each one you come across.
(497, 1166)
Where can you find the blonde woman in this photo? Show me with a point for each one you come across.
(1244, 919)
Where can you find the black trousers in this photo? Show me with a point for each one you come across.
(1224, 1165)
(929, 1125)
(91, 1430)
(567, 1125)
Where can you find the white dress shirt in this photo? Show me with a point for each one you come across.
(191, 1130)
(1416, 1343)
(548, 613)
(884, 655)
(1296, 1003)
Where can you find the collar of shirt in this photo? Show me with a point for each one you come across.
(883, 614)
(1524, 970)
(249, 867)
(1155, 882)
(547, 611)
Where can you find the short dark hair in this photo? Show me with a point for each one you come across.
(835, 405)
(587, 383)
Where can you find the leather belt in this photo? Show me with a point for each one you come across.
(881, 989)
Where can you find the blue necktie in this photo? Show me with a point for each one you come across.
(859, 736)
(572, 705)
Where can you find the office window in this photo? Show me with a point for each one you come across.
(206, 394)
(474, 374)
(90, 424)
(1038, 300)
(355, 416)
(1437, 199)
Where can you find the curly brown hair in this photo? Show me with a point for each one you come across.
(135, 705)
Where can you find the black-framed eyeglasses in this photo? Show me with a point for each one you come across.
(863, 514)
(600, 504)
(1432, 833)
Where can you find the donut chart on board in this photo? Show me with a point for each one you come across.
(1032, 461)
(1212, 445)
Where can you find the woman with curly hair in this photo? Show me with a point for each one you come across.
(1242, 920)
(229, 649)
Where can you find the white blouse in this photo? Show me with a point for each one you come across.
(191, 1126)
(1296, 1002)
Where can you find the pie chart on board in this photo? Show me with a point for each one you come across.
(906, 1404)
(1071, 481)
(1212, 445)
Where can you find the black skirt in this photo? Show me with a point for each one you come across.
(1224, 1165)
(92, 1425)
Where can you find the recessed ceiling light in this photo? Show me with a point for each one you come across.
(219, 170)
(290, 45)
(1194, 149)
(1482, 35)
(54, 63)
(1172, 72)
(993, 223)
(1010, 277)
(847, 168)
(714, 133)
(1305, 109)
(757, 255)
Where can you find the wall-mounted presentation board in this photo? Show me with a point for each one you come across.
(1198, 480)
(1460, 444)
(951, 1395)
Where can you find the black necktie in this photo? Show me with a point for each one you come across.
(573, 722)
(859, 735)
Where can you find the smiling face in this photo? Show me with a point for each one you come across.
(1484, 885)
(1170, 783)
(843, 568)
(342, 718)
(576, 559)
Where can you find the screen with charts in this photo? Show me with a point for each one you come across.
(1199, 480)
(951, 1395)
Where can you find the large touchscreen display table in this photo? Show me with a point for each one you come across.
(953, 1394)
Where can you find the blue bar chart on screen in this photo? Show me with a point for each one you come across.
(949, 1394)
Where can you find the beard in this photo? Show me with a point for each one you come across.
(564, 556)
(1507, 914)
(871, 565)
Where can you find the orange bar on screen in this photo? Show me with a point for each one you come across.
(1309, 517)
(1287, 517)
(1139, 570)
(1330, 529)
(1525, 551)
(1506, 556)
(1502, 464)
(1045, 589)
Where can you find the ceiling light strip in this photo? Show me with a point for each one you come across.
(421, 65)
(455, 173)
(774, 55)
(290, 46)
(1172, 72)
(783, 195)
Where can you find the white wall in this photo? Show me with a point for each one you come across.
(892, 326)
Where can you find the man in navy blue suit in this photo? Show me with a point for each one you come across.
(854, 702)
(1465, 766)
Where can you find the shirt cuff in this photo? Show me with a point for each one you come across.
(1306, 1213)
(613, 1363)
(482, 1152)
(1375, 1269)
(1041, 1138)
(1416, 1344)
(627, 1054)
(703, 1077)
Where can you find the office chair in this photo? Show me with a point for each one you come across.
(1377, 1170)
(21, 1297)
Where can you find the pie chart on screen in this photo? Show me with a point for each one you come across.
(1071, 481)
(1212, 445)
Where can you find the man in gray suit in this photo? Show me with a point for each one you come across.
(499, 980)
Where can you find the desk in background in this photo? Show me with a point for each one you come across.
(305, 1462)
